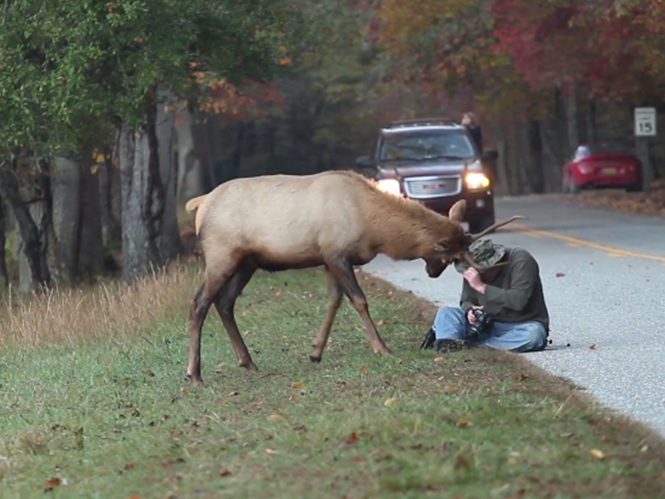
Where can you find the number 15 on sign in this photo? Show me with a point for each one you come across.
(645, 121)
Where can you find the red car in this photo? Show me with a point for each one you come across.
(602, 165)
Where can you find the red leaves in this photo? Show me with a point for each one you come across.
(51, 483)
(351, 439)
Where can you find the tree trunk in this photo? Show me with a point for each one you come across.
(91, 237)
(142, 206)
(189, 182)
(592, 129)
(65, 193)
(31, 247)
(169, 239)
(203, 152)
(572, 123)
(4, 275)
(535, 145)
(111, 200)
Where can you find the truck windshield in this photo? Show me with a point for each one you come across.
(426, 145)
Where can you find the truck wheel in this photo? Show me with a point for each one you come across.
(481, 223)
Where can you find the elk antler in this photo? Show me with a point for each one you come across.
(469, 260)
(492, 228)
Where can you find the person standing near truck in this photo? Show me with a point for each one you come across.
(471, 124)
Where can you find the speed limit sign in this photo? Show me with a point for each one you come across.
(645, 121)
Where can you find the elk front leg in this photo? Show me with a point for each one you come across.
(335, 293)
(347, 278)
(225, 304)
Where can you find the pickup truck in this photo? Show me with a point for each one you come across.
(435, 162)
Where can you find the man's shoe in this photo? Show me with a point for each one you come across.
(451, 345)
(428, 341)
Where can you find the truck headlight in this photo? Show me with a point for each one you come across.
(390, 185)
(477, 181)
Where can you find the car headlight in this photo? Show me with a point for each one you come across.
(477, 181)
(390, 185)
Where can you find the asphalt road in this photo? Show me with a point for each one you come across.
(603, 275)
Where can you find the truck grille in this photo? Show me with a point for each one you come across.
(432, 187)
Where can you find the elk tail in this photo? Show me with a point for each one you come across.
(194, 203)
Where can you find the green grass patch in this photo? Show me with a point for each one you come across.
(114, 418)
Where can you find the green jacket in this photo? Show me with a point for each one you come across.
(516, 295)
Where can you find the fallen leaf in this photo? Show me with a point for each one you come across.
(52, 482)
(293, 396)
(439, 359)
(597, 454)
(148, 373)
(129, 466)
(607, 439)
(450, 388)
(184, 390)
(364, 370)
(644, 449)
(275, 417)
(464, 422)
(560, 274)
(135, 497)
(225, 473)
(278, 293)
(593, 347)
(352, 439)
(390, 401)
(383, 322)
(232, 394)
(297, 386)
(270, 451)
(357, 459)
(567, 435)
(461, 462)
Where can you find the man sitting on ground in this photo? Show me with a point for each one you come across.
(508, 290)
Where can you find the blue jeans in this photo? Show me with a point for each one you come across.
(451, 322)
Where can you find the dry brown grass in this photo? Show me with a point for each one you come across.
(108, 309)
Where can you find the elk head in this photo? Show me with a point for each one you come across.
(456, 244)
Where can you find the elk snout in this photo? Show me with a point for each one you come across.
(435, 267)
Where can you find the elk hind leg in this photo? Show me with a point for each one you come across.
(203, 299)
(225, 304)
(335, 293)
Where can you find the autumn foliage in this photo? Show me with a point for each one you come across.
(609, 49)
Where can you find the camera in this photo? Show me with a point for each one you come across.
(483, 322)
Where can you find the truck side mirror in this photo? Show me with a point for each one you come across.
(364, 161)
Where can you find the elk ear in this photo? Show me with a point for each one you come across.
(457, 211)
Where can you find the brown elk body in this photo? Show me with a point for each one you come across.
(333, 219)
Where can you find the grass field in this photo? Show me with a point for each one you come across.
(93, 404)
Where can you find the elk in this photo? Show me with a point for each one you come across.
(334, 219)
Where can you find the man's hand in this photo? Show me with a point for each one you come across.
(473, 278)
(469, 315)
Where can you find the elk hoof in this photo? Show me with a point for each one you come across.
(249, 365)
(315, 358)
(195, 380)
(383, 350)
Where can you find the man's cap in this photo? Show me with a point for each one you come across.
(484, 252)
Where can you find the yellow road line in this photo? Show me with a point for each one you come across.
(574, 241)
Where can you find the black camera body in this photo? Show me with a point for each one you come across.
(483, 322)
